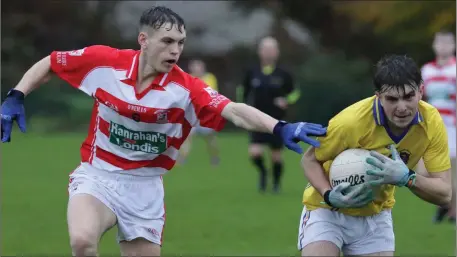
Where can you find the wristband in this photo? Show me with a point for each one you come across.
(411, 179)
(326, 198)
(16, 94)
(278, 127)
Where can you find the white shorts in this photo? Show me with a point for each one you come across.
(451, 140)
(202, 131)
(137, 202)
(353, 235)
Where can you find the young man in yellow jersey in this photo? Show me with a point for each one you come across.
(395, 122)
(197, 68)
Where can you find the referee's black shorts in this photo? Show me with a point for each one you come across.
(274, 142)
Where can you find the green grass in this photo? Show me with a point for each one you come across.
(210, 211)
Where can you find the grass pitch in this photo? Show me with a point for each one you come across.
(210, 211)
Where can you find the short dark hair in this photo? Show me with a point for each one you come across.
(396, 71)
(156, 16)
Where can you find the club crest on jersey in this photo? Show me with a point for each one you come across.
(161, 116)
(111, 106)
(136, 117)
(404, 155)
(213, 93)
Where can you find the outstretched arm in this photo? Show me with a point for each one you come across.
(38, 74)
(249, 118)
(212, 109)
(71, 66)
(13, 105)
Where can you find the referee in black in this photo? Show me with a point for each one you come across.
(267, 86)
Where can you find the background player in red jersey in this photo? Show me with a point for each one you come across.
(144, 109)
(440, 88)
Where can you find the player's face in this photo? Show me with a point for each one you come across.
(162, 46)
(444, 45)
(400, 106)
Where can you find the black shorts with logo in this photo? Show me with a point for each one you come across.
(274, 142)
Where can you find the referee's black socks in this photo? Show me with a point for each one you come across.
(277, 174)
(258, 161)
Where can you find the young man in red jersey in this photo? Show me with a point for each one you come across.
(145, 107)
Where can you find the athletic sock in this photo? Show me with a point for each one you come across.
(440, 214)
(277, 174)
(258, 161)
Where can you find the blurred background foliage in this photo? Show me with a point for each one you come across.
(332, 68)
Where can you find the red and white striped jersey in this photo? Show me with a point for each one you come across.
(138, 133)
(440, 88)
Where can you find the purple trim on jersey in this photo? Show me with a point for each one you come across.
(375, 113)
(377, 109)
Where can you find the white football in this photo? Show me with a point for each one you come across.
(351, 166)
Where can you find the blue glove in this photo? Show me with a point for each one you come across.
(390, 171)
(12, 109)
(292, 133)
(346, 196)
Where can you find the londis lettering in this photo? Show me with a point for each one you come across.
(148, 142)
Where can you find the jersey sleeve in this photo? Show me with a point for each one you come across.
(73, 66)
(208, 105)
(436, 156)
(334, 142)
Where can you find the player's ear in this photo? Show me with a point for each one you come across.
(421, 90)
(142, 39)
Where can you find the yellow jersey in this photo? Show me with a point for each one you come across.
(210, 80)
(362, 125)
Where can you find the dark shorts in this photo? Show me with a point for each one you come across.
(266, 139)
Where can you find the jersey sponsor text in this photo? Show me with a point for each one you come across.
(147, 142)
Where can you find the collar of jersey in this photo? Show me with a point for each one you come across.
(132, 75)
(380, 118)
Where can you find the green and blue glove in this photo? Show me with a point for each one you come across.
(346, 196)
(390, 171)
